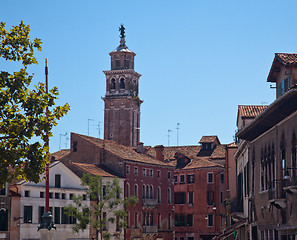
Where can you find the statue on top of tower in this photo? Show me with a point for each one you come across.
(122, 31)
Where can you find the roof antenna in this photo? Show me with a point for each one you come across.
(177, 128)
(89, 119)
(169, 131)
(60, 139)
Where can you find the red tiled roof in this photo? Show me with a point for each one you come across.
(169, 152)
(122, 151)
(60, 154)
(201, 163)
(287, 58)
(208, 139)
(218, 152)
(93, 169)
(250, 111)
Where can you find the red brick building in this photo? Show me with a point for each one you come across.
(200, 187)
(149, 179)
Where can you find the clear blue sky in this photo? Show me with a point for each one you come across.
(199, 59)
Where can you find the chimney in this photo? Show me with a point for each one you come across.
(159, 152)
(139, 147)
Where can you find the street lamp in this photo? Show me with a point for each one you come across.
(47, 226)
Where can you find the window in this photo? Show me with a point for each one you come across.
(50, 195)
(127, 190)
(169, 221)
(126, 62)
(221, 197)
(27, 193)
(179, 197)
(144, 171)
(127, 169)
(158, 173)
(122, 83)
(40, 213)
(147, 192)
(169, 175)
(84, 197)
(41, 194)
(75, 146)
(191, 195)
(169, 195)
(190, 238)
(182, 179)
(159, 220)
(151, 173)
(210, 197)
(222, 177)
(63, 195)
(28, 214)
(135, 170)
(175, 179)
(136, 219)
(57, 215)
(136, 190)
(180, 220)
(57, 180)
(283, 86)
(190, 178)
(104, 221)
(57, 195)
(118, 64)
(70, 196)
(113, 84)
(3, 191)
(159, 194)
(65, 218)
(151, 192)
(118, 224)
(209, 177)
(143, 191)
(210, 220)
(3, 219)
(190, 220)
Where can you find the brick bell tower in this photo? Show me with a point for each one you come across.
(122, 103)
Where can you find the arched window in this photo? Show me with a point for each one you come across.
(159, 194)
(147, 192)
(151, 192)
(113, 84)
(127, 190)
(169, 220)
(128, 219)
(143, 191)
(122, 83)
(136, 190)
(136, 219)
(169, 195)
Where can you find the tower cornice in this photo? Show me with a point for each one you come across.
(121, 71)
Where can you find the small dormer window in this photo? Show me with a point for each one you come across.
(113, 84)
(122, 83)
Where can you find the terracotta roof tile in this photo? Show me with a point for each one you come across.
(122, 151)
(250, 111)
(218, 152)
(287, 58)
(169, 152)
(60, 154)
(93, 169)
(208, 139)
(201, 163)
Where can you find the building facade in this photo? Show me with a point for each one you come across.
(272, 159)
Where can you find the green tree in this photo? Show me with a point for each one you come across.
(23, 123)
(106, 205)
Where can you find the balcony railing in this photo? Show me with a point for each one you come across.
(150, 202)
(150, 229)
(277, 192)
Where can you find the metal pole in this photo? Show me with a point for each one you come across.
(47, 144)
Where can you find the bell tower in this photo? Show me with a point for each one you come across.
(122, 103)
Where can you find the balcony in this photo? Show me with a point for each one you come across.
(291, 186)
(277, 195)
(150, 229)
(149, 202)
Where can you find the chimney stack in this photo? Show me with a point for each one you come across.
(159, 152)
(139, 147)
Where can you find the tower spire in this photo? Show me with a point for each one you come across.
(122, 36)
